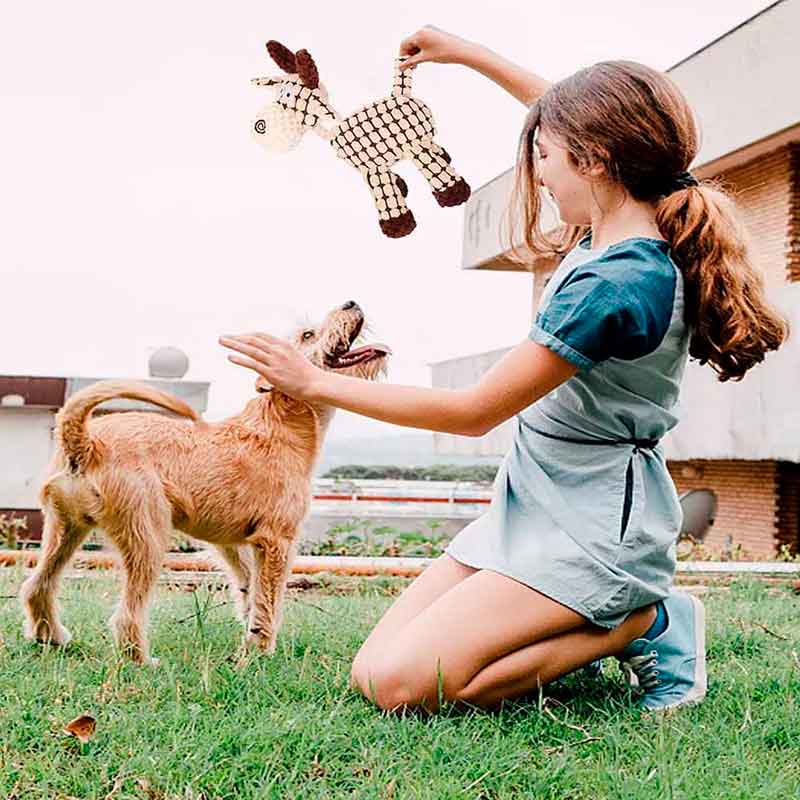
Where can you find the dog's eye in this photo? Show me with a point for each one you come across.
(308, 335)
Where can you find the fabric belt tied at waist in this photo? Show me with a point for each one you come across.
(638, 444)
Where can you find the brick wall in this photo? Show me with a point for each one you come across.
(765, 189)
(789, 505)
(793, 227)
(746, 501)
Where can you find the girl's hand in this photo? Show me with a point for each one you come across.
(278, 361)
(434, 44)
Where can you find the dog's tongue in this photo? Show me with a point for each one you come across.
(376, 348)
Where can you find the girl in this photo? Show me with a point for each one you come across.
(574, 559)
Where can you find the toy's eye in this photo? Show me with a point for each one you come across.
(308, 335)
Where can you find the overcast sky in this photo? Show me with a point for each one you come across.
(138, 212)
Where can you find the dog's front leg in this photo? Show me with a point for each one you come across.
(238, 561)
(272, 557)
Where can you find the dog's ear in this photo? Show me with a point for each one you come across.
(262, 384)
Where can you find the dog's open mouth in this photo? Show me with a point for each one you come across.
(361, 355)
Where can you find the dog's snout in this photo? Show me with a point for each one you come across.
(350, 304)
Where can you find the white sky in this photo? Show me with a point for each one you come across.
(137, 211)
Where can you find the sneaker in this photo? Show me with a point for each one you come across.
(670, 670)
(593, 670)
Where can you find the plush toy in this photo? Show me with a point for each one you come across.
(372, 139)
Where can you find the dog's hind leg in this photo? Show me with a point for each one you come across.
(239, 567)
(142, 544)
(61, 538)
(272, 557)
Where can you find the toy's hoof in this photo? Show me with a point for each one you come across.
(395, 227)
(453, 195)
(401, 185)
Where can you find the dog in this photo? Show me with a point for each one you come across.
(242, 484)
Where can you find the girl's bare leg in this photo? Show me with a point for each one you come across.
(486, 638)
(444, 573)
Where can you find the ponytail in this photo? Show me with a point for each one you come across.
(732, 325)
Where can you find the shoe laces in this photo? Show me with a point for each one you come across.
(641, 671)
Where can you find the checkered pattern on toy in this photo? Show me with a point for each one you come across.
(306, 103)
(385, 132)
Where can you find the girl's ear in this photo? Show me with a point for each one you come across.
(596, 165)
(597, 169)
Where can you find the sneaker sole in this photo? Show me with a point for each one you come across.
(698, 691)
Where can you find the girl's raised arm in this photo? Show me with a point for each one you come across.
(433, 44)
(526, 373)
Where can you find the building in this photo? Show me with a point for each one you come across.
(742, 441)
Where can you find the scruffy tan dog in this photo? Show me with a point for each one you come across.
(243, 484)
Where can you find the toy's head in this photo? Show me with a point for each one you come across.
(299, 103)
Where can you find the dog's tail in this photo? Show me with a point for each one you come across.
(77, 445)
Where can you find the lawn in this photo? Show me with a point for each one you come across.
(199, 726)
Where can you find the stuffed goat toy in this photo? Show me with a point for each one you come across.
(372, 139)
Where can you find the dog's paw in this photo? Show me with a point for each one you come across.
(261, 640)
(44, 632)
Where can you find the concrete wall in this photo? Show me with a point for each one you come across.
(25, 448)
(743, 86)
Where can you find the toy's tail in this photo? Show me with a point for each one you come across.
(402, 78)
(71, 420)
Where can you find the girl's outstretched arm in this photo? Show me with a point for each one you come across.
(520, 378)
(433, 44)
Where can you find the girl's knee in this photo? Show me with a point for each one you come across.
(385, 684)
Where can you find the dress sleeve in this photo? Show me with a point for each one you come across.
(590, 319)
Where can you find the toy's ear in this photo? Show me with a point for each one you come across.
(269, 82)
(307, 69)
(282, 56)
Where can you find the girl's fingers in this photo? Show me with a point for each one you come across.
(410, 62)
(260, 336)
(409, 47)
(258, 353)
(249, 363)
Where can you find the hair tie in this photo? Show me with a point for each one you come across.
(683, 180)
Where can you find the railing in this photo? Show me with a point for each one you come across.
(399, 498)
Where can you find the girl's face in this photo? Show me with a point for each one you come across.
(571, 190)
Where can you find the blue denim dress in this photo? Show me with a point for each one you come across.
(584, 509)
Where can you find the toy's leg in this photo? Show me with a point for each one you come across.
(388, 191)
(448, 187)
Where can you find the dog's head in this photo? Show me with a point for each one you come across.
(299, 104)
(329, 346)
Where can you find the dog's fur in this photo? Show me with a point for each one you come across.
(243, 484)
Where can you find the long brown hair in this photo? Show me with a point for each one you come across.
(636, 122)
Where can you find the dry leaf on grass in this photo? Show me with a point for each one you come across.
(82, 728)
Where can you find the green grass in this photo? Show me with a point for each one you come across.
(288, 727)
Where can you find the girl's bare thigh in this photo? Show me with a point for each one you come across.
(439, 577)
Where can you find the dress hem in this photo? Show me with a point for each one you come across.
(558, 595)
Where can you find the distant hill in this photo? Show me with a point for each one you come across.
(407, 450)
